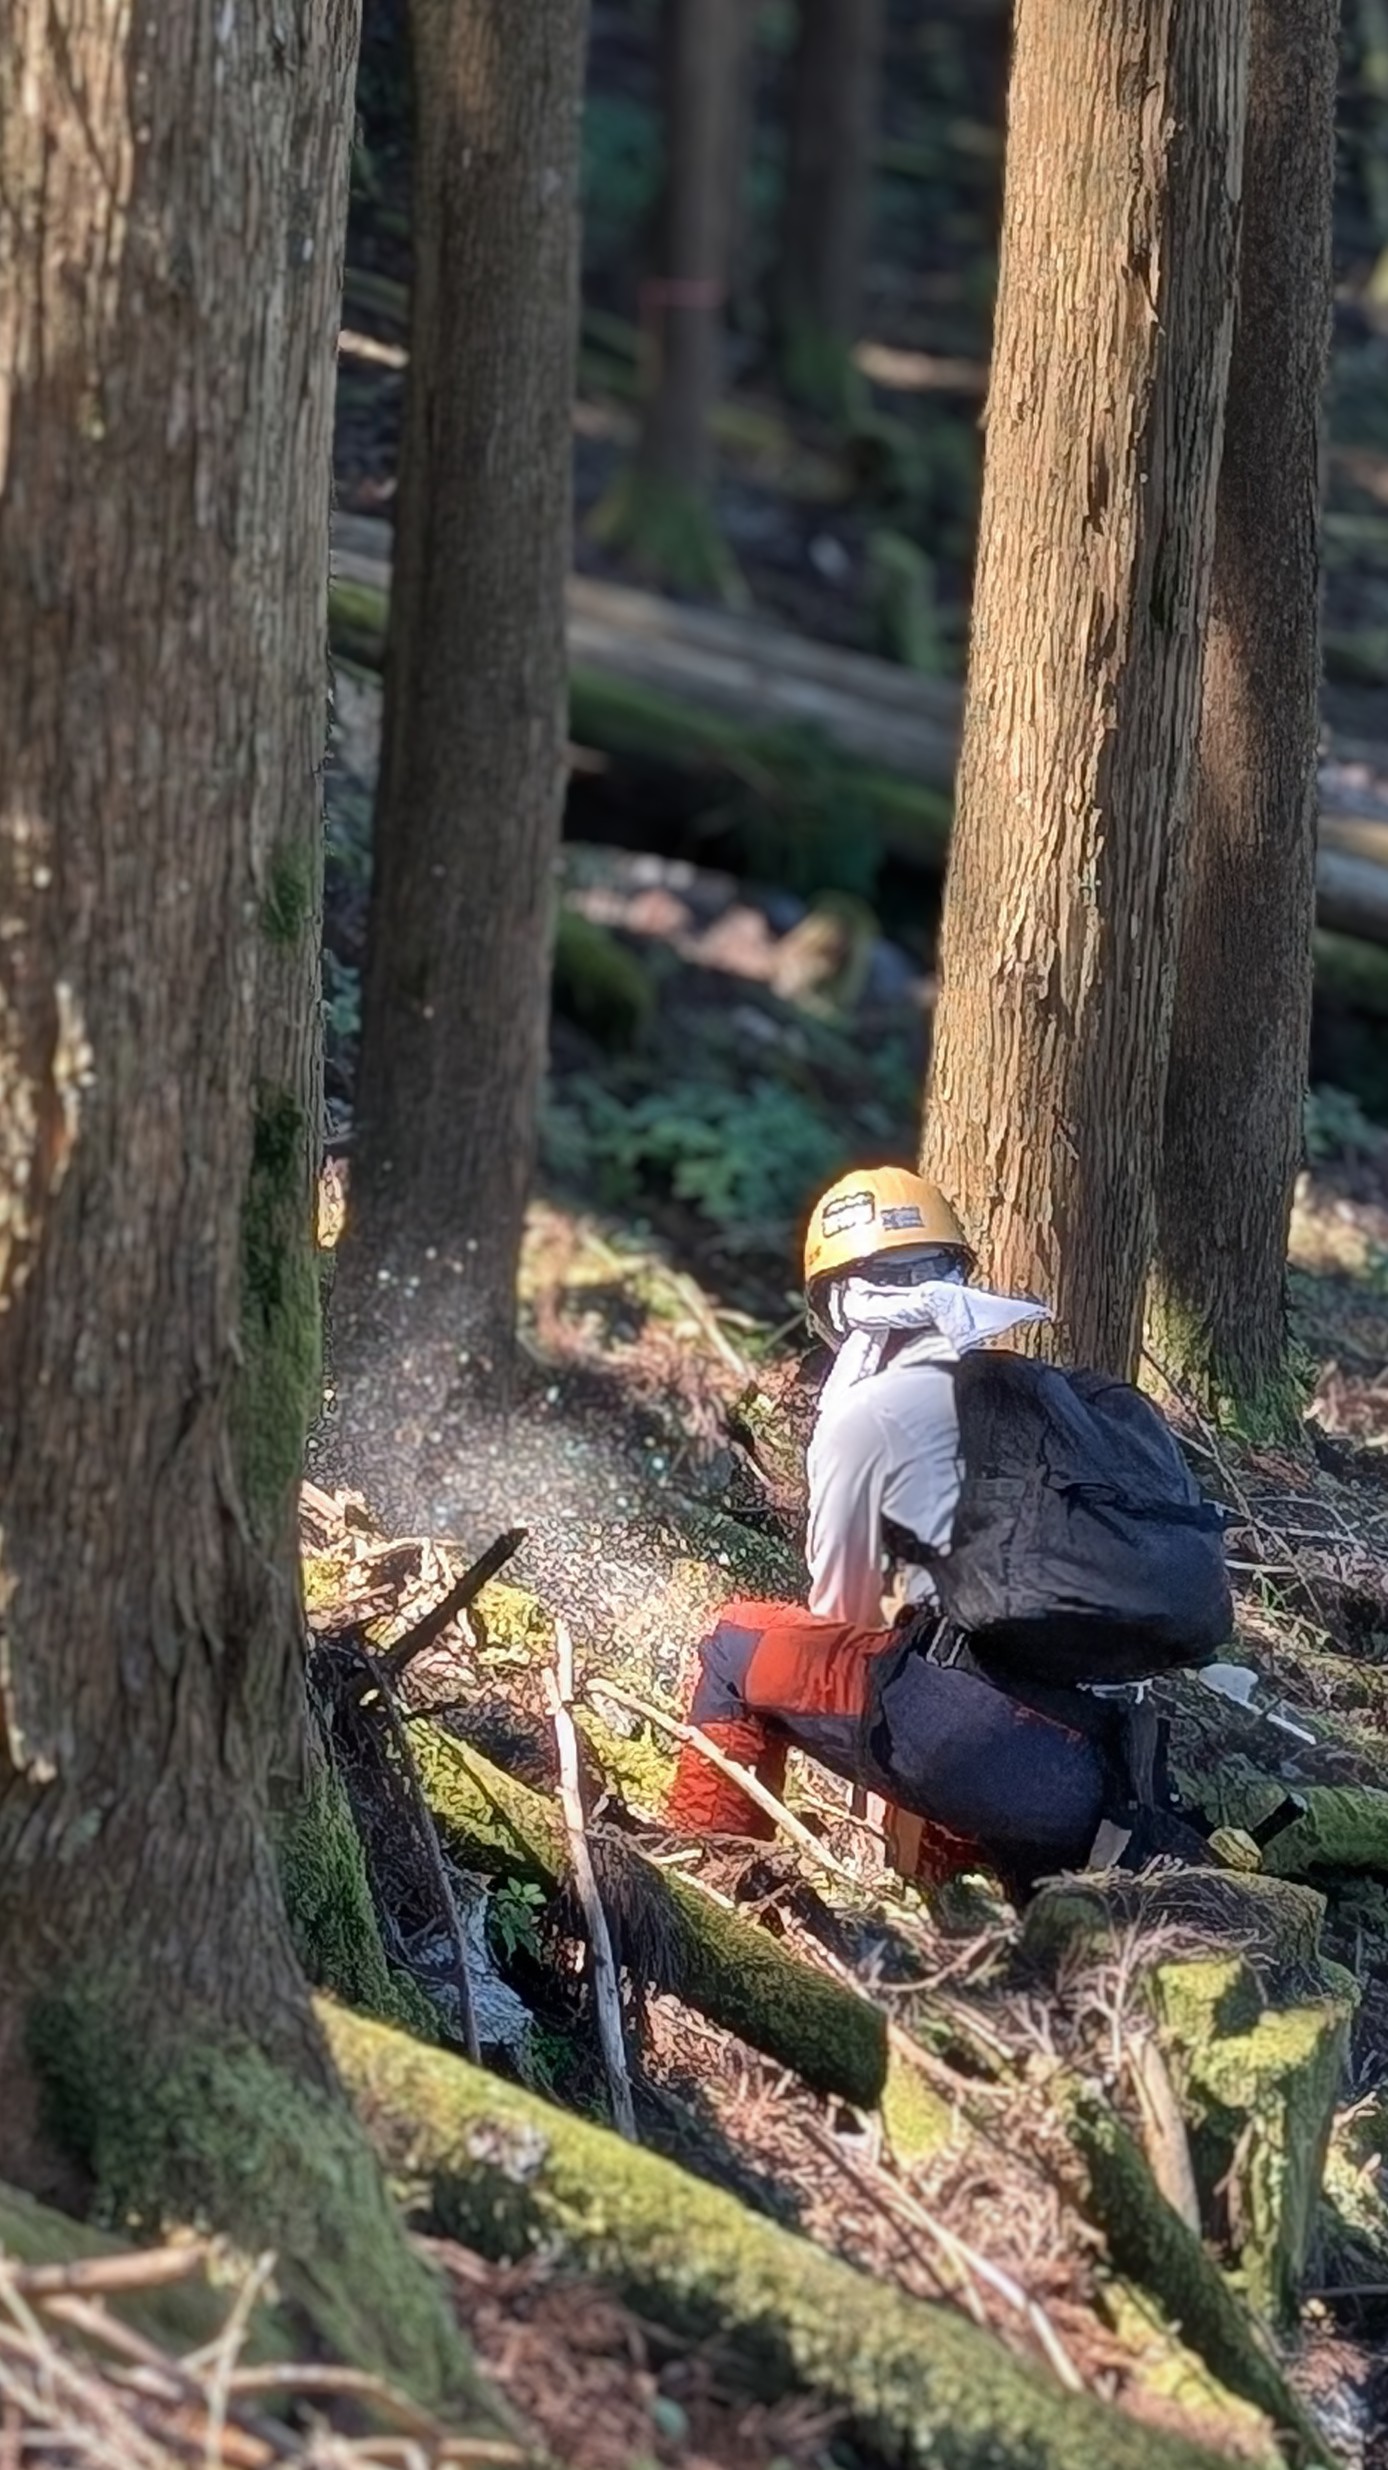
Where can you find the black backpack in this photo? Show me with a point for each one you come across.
(1081, 1548)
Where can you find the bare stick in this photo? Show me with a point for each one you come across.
(743, 1777)
(559, 1690)
(1163, 2129)
(98, 2276)
(463, 1592)
(966, 2260)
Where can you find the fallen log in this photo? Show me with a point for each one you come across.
(656, 679)
(1149, 2242)
(677, 1938)
(921, 2388)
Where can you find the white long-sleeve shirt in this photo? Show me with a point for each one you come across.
(886, 1448)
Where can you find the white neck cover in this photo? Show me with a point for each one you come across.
(951, 1320)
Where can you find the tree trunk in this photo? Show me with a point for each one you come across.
(1238, 1066)
(662, 510)
(172, 199)
(1110, 361)
(828, 195)
(454, 1004)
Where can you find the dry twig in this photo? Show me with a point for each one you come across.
(743, 1777)
(559, 1690)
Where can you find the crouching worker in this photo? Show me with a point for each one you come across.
(988, 1781)
(1034, 1534)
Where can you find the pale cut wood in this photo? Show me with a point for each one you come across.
(559, 1690)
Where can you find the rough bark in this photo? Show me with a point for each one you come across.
(922, 2388)
(828, 195)
(1110, 361)
(172, 198)
(671, 1935)
(662, 510)
(468, 805)
(1233, 1134)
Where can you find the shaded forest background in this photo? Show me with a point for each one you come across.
(856, 530)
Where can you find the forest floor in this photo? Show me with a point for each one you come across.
(655, 1459)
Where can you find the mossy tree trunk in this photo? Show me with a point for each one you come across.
(1110, 360)
(1242, 1021)
(454, 1003)
(166, 371)
(828, 196)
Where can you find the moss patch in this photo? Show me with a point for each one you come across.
(1260, 2104)
(281, 1326)
(328, 1898)
(287, 911)
(599, 983)
(217, 2137)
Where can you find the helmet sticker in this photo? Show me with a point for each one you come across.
(907, 1213)
(849, 1210)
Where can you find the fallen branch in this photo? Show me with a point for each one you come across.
(743, 1777)
(1164, 2138)
(394, 1661)
(653, 677)
(673, 1934)
(559, 1690)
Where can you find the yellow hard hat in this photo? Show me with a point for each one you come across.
(874, 1210)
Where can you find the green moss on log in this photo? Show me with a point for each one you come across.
(357, 614)
(1259, 2097)
(766, 771)
(218, 2137)
(1166, 2367)
(1150, 2243)
(1343, 1827)
(924, 2389)
(599, 984)
(919, 2122)
(729, 1969)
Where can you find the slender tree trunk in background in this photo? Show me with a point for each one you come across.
(1110, 360)
(1242, 1017)
(455, 1000)
(662, 510)
(828, 196)
(166, 371)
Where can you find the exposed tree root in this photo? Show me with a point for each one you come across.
(217, 2136)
